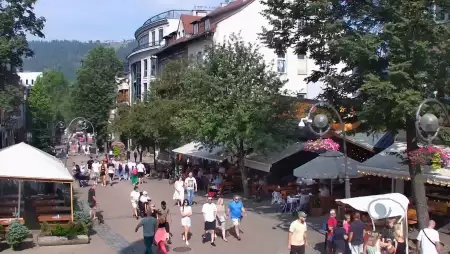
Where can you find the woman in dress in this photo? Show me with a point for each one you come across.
(221, 218)
(178, 194)
(103, 173)
(186, 212)
(134, 176)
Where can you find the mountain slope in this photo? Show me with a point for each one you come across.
(66, 55)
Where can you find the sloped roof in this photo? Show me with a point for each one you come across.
(227, 8)
(187, 23)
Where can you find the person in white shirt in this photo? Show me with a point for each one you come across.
(141, 172)
(95, 172)
(428, 240)
(186, 213)
(144, 205)
(134, 201)
(209, 211)
(191, 187)
(111, 172)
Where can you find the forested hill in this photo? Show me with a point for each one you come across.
(66, 56)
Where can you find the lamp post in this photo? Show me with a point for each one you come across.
(321, 122)
(429, 123)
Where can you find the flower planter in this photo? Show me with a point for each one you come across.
(62, 240)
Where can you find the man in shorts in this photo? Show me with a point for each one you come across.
(134, 201)
(209, 211)
(236, 211)
(92, 201)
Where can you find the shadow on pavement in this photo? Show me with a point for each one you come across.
(139, 247)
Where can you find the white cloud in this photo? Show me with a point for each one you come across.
(104, 19)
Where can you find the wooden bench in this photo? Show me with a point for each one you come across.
(55, 218)
(8, 211)
(51, 209)
(13, 203)
(52, 202)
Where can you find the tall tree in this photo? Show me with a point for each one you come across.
(94, 94)
(234, 101)
(16, 20)
(395, 54)
(42, 114)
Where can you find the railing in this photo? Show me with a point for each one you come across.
(173, 14)
(145, 46)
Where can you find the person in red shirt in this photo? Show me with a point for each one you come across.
(331, 223)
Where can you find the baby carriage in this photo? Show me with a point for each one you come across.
(83, 178)
(141, 206)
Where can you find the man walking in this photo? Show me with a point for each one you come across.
(428, 240)
(236, 211)
(149, 227)
(92, 201)
(356, 234)
(191, 187)
(209, 211)
(297, 240)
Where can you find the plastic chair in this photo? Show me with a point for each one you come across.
(291, 203)
(276, 198)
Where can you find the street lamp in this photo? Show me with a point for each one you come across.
(321, 122)
(429, 123)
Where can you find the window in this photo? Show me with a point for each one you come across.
(153, 67)
(32, 81)
(143, 40)
(301, 95)
(26, 82)
(440, 15)
(207, 25)
(302, 67)
(145, 67)
(281, 63)
(161, 34)
(145, 91)
(196, 28)
(153, 38)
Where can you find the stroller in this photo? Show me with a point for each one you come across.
(141, 206)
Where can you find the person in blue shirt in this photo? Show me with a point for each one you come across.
(236, 211)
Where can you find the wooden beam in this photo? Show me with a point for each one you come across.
(71, 201)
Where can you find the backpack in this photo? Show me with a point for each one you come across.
(325, 226)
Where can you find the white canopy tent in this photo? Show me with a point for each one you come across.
(199, 151)
(25, 162)
(382, 207)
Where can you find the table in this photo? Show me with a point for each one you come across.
(48, 209)
(54, 218)
(7, 221)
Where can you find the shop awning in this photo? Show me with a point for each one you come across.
(265, 162)
(391, 163)
(329, 165)
(199, 151)
(25, 162)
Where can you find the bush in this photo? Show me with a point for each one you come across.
(70, 230)
(83, 217)
(59, 230)
(45, 229)
(16, 234)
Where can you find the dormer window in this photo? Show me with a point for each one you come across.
(207, 25)
(196, 28)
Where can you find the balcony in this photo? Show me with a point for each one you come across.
(146, 46)
(161, 18)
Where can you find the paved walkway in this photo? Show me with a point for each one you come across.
(265, 231)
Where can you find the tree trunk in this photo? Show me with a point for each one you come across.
(417, 178)
(243, 170)
(154, 157)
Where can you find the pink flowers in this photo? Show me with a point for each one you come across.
(429, 155)
(321, 145)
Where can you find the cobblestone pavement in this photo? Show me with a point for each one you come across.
(264, 231)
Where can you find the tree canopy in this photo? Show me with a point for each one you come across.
(395, 54)
(94, 93)
(233, 100)
(17, 19)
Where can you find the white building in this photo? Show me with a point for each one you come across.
(243, 18)
(142, 63)
(28, 78)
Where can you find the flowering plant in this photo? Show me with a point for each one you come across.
(321, 144)
(430, 155)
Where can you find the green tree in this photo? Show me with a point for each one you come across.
(395, 54)
(241, 109)
(16, 20)
(94, 94)
(42, 113)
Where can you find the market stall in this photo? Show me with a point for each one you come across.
(379, 207)
(32, 171)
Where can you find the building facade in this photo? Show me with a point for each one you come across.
(28, 78)
(234, 18)
(142, 62)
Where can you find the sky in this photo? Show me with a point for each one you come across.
(104, 19)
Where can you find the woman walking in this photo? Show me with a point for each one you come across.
(111, 171)
(161, 233)
(221, 218)
(186, 212)
(103, 173)
(134, 176)
(178, 194)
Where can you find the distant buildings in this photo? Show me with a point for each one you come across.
(28, 78)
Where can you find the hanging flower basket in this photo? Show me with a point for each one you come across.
(321, 145)
(429, 156)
